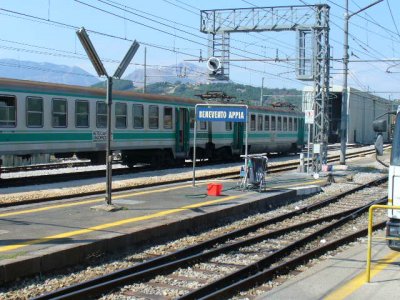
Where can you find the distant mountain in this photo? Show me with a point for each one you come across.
(183, 73)
(45, 72)
(185, 79)
(242, 93)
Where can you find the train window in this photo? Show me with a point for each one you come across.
(290, 124)
(101, 114)
(284, 123)
(120, 115)
(8, 113)
(252, 122)
(266, 123)
(273, 123)
(34, 112)
(279, 125)
(260, 124)
(153, 117)
(228, 126)
(138, 116)
(192, 118)
(59, 112)
(81, 113)
(167, 117)
(295, 124)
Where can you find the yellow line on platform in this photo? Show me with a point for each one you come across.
(117, 223)
(45, 208)
(28, 211)
(357, 282)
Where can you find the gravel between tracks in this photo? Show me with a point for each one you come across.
(100, 265)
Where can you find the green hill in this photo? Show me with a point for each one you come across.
(248, 94)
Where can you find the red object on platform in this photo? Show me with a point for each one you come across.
(214, 189)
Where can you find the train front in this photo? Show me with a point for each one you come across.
(393, 225)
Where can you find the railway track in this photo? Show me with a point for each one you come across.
(275, 168)
(70, 164)
(224, 265)
(50, 166)
(54, 178)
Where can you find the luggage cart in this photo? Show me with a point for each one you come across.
(252, 177)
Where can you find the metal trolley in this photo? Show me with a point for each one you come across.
(253, 173)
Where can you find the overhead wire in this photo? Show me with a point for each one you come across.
(125, 18)
(188, 10)
(188, 5)
(65, 25)
(365, 47)
(73, 27)
(44, 69)
(201, 37)
(165, 19)
(371, 20)
(394, 23)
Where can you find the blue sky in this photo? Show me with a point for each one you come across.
(44, 31)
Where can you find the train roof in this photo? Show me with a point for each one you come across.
(7, 84)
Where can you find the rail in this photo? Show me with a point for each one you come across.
(244, 277)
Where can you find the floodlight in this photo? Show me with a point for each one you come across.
(127, 59)
(213, 64)
(91, 52)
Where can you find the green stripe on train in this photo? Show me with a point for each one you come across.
(269, 135)
(18, 137)
(118, 136)
(45, 137)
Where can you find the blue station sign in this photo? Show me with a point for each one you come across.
(221, 114)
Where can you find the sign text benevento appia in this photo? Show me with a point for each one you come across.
(217, 113)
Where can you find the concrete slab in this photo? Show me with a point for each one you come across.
(343, 277)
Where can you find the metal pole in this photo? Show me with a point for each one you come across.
(308, 148)
(108, 150)
(344, 117)
(145, 70)
(245, 149)
(262, 92)
(194, 147)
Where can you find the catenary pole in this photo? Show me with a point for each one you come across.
(345, 96)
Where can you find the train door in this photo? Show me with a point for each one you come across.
(182, 133)
(238, 133)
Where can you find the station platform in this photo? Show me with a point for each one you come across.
(39, 238)
(343, 276)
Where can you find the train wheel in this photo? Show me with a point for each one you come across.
(179, 162)
(168, 158)
(294, 148)
(98, 158)
(228, 155)
(157, 159)
(130, 165)
(127, 160)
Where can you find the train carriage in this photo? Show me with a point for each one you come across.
(46, 118)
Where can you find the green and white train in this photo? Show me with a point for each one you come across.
(62, 120)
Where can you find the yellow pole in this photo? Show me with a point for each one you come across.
(370, 218)
(370, 222)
